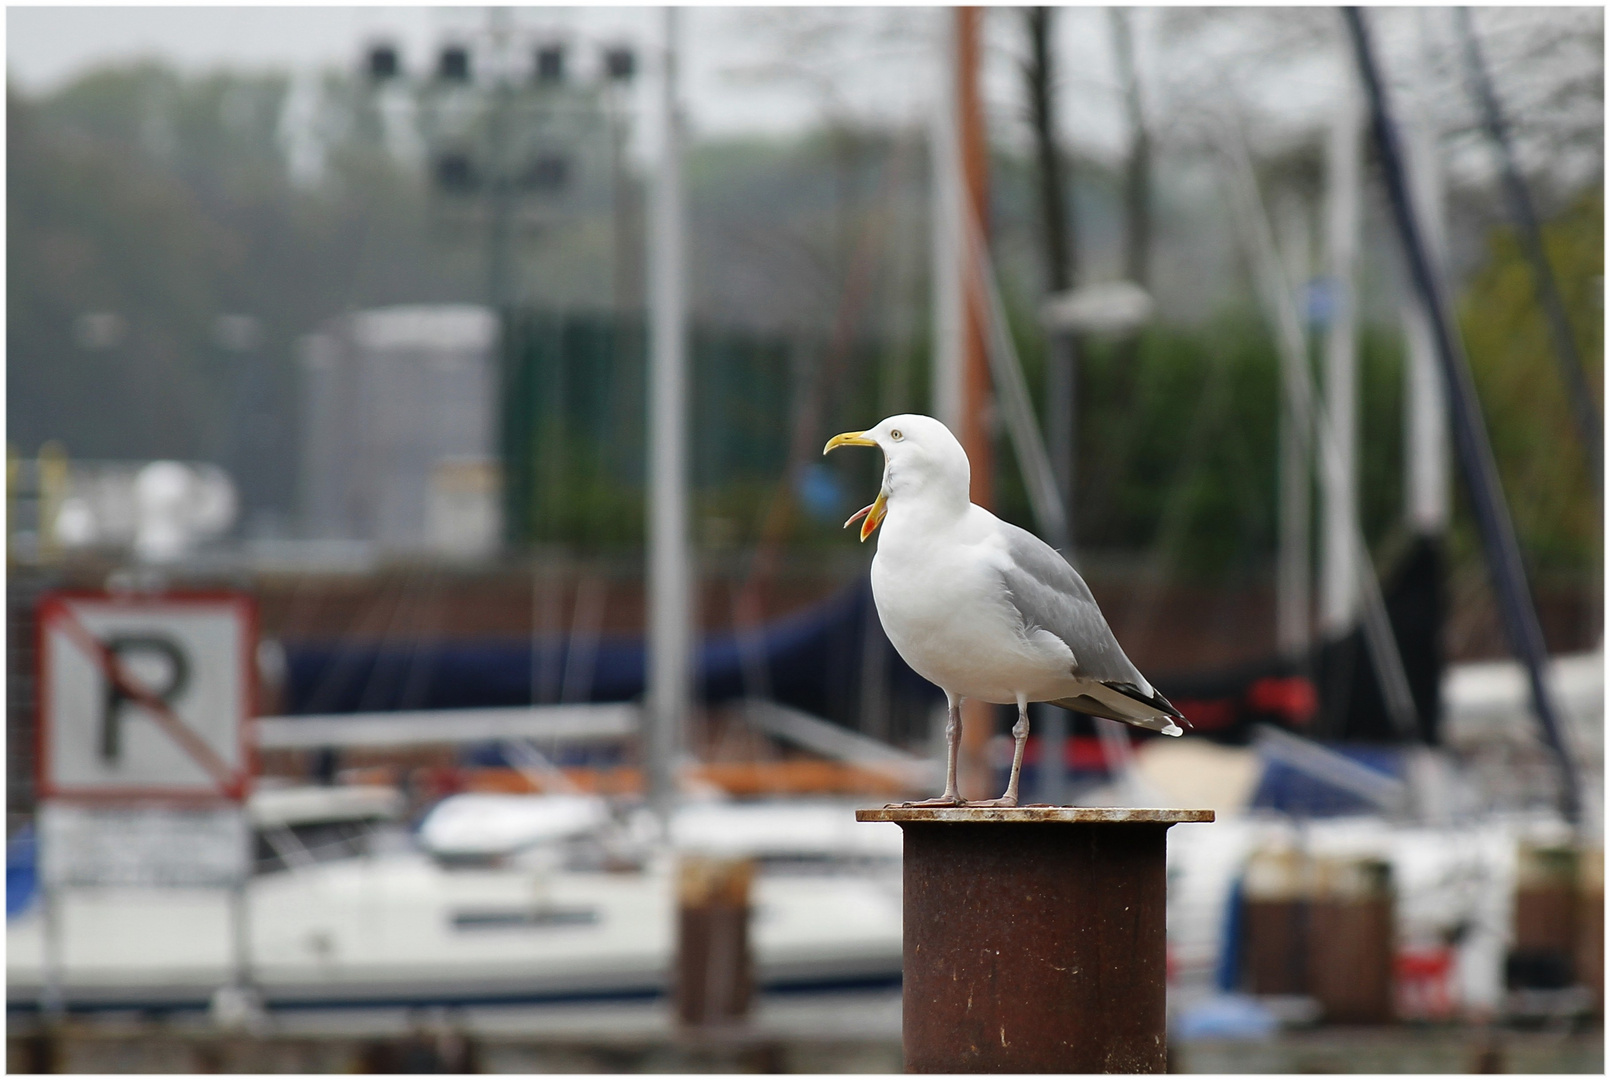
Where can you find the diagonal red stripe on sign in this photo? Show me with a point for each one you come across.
(160, 710)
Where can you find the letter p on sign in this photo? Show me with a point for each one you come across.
(145, 696)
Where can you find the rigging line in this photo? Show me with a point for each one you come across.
(779, 511)
(746, 629)
(547, 597)
(1126, 385)
(586, 629)
(1211, 400)
(428, 631)
(537, 768)
(291, 851)
(1246, 200)
(407, 602)
(547, 585)
(904, 295)
(581, 644)
(341, 667)
(1524, 214)
(1476, 460)
(299, 616)
(1028, 443)
(1006, 370)
(595, 527)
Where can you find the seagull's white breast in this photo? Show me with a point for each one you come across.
(941, 598)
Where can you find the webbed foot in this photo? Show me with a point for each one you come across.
(1004, 800)
(943, 800)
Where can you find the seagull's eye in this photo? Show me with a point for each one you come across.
(896, 435)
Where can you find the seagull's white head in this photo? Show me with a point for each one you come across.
(921, 458)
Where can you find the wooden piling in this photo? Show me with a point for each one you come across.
(714, 977)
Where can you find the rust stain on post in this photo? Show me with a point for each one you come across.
(1034, 938)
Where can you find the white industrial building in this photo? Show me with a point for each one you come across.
(399, 430)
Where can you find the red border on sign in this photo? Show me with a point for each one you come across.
(53, 605)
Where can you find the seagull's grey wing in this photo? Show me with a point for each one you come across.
(1050, 594)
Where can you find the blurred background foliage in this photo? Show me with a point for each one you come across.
(1544, 470)
(172, 200)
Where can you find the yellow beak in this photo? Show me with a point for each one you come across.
(873, 514)
(880, 505)
(849, 438)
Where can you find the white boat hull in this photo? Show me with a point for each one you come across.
(402, 929)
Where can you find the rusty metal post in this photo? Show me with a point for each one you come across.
(1034, 937)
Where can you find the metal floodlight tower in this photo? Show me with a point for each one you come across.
(487, 97)
(453, 64)
(500, 189)
(549, 64)
(382, 63)
(620, 63)
(513, 135)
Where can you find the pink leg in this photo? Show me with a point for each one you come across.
(1020, 734)
(953, 737)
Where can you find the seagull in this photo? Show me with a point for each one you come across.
(982, 608)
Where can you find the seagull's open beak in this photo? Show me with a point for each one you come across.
(849, 438)
(880, 505)
(873, 514)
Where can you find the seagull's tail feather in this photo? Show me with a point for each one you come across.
(1117, 701)
(1149, 696)
(1088, 705)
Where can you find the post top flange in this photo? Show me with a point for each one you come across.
(1029, 815)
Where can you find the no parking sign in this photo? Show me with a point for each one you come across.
(145, 697)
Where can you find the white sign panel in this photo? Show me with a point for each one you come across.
(145, 696)
(163, 846)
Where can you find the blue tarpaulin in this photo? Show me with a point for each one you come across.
(22, 871)
(1291, 791)
(811, 660)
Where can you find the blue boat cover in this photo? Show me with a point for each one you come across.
(811, 660)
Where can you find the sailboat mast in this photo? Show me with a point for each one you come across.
(1474, 450)
(1425, 437)
(1338, 584)
(670, 630)
(974, 155)
(1294, 571)
(949, 300)
(961, 378)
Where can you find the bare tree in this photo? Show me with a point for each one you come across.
(1059, 233)
(1138, 165)
(1060, 228)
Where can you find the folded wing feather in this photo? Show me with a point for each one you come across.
(1050, 594)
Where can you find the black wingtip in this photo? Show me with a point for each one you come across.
(1168, 707)
(1154, 699)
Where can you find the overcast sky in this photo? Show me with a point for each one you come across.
(782, 70)
(760, 70)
